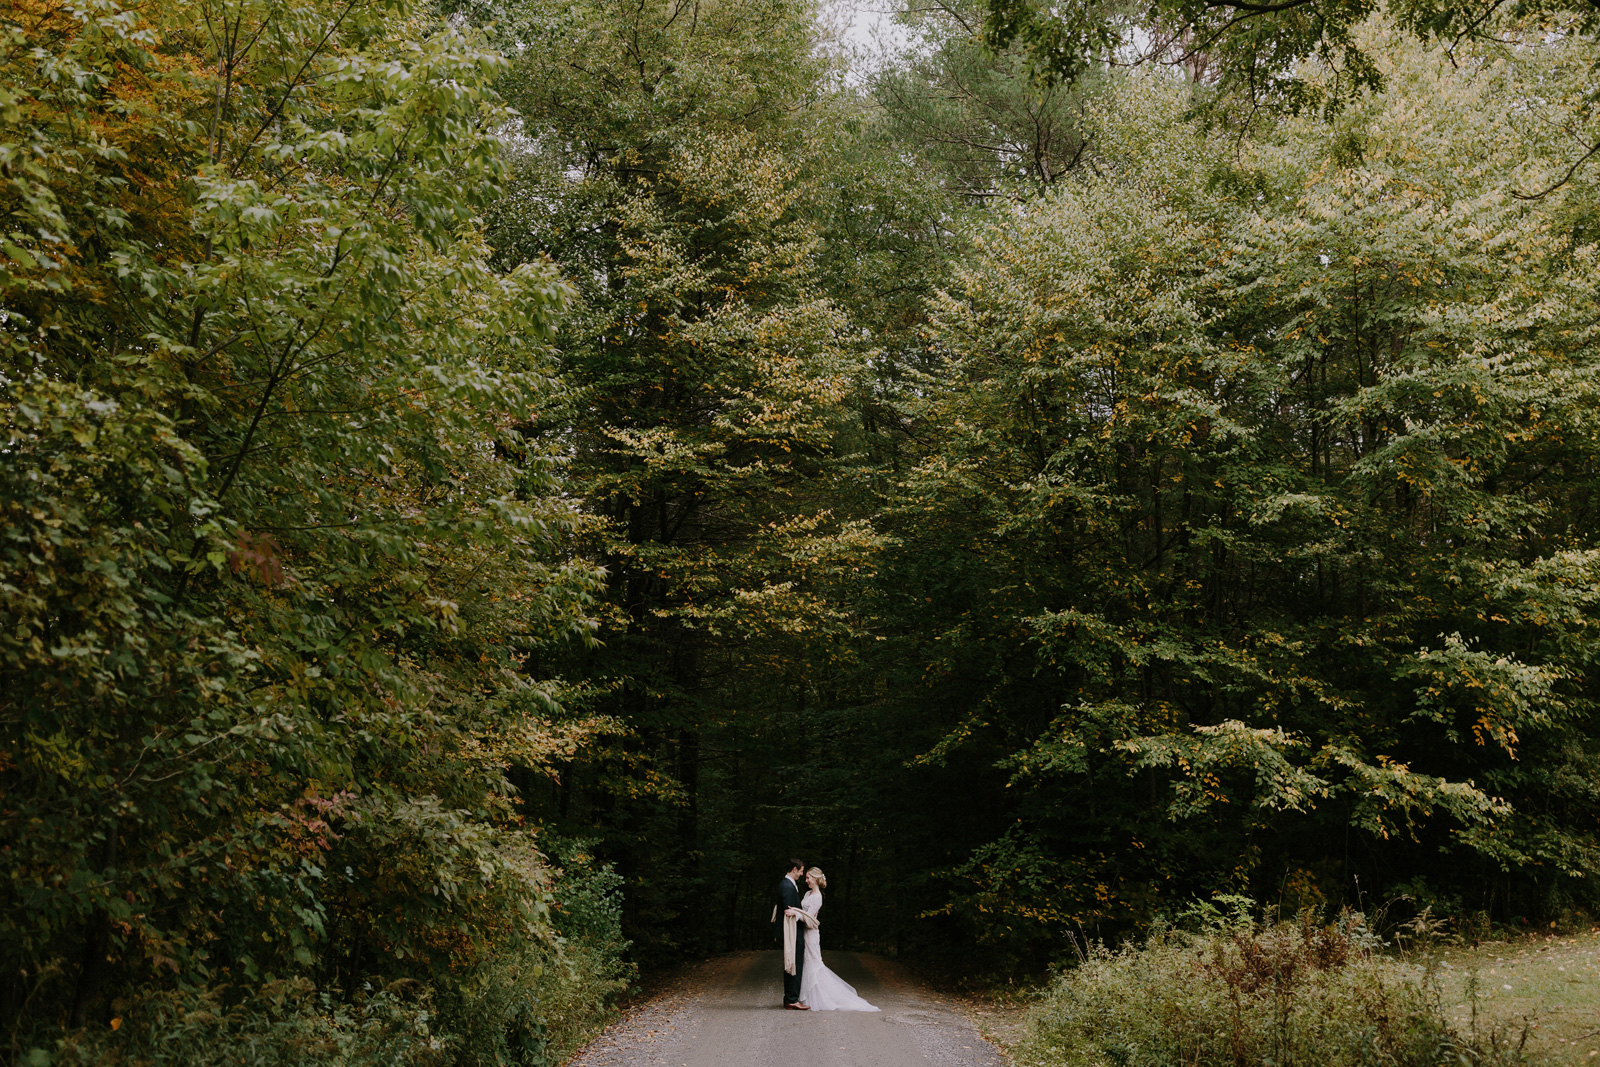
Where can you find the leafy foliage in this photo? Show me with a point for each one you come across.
(1242, 993)
(1036, 536)
(975, 113)
(667, 162)
(276, 551)
(1247, 52)
(1036, 499)
(1239, 459)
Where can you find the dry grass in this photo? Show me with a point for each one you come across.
(1000, 1016)
(1554, 994)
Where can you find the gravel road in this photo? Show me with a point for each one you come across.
(728, 1012)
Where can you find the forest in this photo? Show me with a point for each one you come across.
(485, 481)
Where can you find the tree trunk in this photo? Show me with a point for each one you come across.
(96, 942)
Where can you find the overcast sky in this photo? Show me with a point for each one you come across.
(871, 25)
(865, 18)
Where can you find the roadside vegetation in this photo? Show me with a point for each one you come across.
(1249, 994)
(277, 549)
(1221, 988)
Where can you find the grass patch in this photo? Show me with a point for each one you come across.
(1550, 984)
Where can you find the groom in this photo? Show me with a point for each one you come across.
(789, 897)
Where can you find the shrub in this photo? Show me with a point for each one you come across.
(276, 1025)
(1243, 994)
(575, 991)
(530, 1004)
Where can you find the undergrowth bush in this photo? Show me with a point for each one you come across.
(590, 969)
(275, 1025)
(1243, 994)
(530, 1005)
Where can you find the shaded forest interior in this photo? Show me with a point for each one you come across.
(1043, 493)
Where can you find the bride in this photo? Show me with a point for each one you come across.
(819, 987)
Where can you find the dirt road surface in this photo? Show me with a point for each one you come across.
(728, 1013)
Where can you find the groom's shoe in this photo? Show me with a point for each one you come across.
(797, 1006)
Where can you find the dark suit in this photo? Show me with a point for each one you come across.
(788, 896)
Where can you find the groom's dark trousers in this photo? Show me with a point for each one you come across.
(789, 897)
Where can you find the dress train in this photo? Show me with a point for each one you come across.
(820, 988)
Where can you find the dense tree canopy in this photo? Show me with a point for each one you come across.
(1248, 460)
(453, 452)
(275, 550)
(1225, 486)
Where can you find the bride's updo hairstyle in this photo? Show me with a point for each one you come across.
(815, 874)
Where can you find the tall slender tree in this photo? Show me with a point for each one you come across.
(669, 166)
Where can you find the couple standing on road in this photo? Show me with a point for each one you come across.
(808, 985)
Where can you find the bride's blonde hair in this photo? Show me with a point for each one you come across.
(815, 874)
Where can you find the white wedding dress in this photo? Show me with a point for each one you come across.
(820, 988)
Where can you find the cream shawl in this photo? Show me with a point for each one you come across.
(791, 925)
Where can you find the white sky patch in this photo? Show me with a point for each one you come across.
(871, 24)
(867, 32)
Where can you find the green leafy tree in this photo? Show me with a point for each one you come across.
(670, 164)
(275, 550)
(1239, 532)
(1249, 53)
(977, 113)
